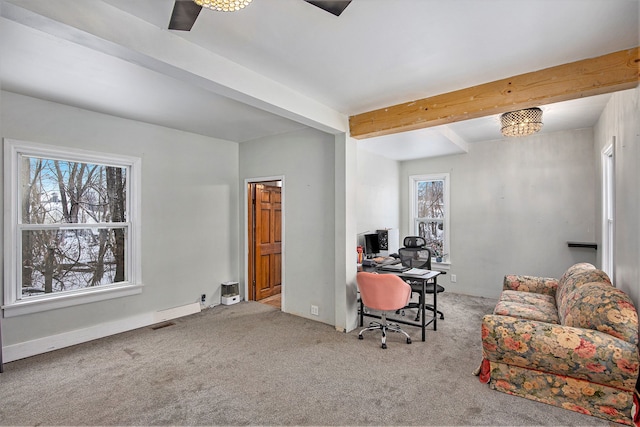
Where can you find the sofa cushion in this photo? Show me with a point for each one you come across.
(528, 298)
(533, 284)
(574, 280)
(601, 307)
(527, 305)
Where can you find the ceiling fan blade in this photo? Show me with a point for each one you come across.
(184, 15)
(335, 7)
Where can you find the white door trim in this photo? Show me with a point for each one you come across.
(248, 181)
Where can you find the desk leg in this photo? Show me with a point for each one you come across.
(424, 301)
(1, 362)
(435, 303)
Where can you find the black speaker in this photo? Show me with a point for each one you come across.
(383, 238)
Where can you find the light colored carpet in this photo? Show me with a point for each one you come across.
(250, 364)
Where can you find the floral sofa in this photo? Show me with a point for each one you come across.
(570, 342)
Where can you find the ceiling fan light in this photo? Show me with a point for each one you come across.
(522, 122)
(223, 5)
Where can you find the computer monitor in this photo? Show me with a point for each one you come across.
(371, 245)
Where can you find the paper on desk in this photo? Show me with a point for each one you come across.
(417, 271)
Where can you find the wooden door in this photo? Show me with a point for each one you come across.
(267, 241)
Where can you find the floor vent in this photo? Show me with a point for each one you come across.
(162, 325)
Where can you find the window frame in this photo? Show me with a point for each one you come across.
(14, 305)
(608, 208)
(413, 207)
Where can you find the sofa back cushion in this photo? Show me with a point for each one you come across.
(601, 307)
(576, 268)
(576, 276)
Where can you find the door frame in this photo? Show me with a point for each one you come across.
(256, 180)
(608, 235)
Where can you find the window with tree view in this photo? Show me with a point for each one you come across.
(430, 211)
(72, 227)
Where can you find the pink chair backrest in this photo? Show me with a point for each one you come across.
(383, 291)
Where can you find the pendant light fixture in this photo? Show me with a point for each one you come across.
(522, 122)
(223, 5)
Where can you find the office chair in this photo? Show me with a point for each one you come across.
(415, 254)
(383, 292)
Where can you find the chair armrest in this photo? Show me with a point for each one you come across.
(538, 285)
(564, 350)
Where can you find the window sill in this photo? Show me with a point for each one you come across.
(52, 302)
(444, 265)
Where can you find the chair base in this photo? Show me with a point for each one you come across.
(416, 305)
(384, 327)
(416, 287)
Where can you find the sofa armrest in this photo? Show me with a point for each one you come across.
(538, 285)
(573, 352)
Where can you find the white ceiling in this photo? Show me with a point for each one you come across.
(377, 53)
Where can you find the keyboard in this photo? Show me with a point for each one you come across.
(389, 261)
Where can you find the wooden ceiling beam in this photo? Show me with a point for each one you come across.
(594, 76)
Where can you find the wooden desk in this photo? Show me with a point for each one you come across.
(422, 278)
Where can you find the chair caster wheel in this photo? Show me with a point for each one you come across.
(408, 340)
(384, 346)
(360, 337)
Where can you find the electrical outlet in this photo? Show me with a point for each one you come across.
(453, 278)
(203, 298)
(314, 310)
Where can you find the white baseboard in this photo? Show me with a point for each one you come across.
(66, 339)
(175, 312)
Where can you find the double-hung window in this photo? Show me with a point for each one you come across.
(71, 227)
(429, 199)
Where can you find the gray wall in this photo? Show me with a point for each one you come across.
(514, 205)
(306, 160)
(620, 120)
(378, 193)
(189, 210)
